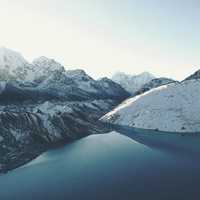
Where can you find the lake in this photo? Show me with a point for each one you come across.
(119, 166)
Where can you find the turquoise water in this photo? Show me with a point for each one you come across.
(110, 166)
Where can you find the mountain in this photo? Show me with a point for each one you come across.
(13, 66)
(45, 79)
(42, 104)
(132, 83)
(154, 83)
(173, 107)
(44, 67)
(196, 75)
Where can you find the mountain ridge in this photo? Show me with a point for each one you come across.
(132, 83)
(42, 104)
(173, 108)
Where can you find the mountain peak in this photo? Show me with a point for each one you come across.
(146, 74)
(78, 74)
(10, 59)
(47, 63)
(132, 83)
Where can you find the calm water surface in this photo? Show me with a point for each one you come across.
(110, 166)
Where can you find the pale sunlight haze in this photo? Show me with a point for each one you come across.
(105, 36)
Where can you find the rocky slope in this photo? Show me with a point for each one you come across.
(42, 104)
(174, 107)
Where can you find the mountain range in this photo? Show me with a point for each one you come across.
(42, 105)
(132, 83)
(172, 107)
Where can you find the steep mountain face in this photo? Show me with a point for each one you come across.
(173, 107)
(196, 75)
(132, 83)
(48, 105)
(154, 83)
(105, 85)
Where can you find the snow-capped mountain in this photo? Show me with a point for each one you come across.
(13, 66)
(10, 59)
(44, 67)
(132, 83)
(46, 79)
(174, 107)
(42, 104)
(154, 83)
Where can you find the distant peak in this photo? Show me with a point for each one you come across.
(43, 59)
(130, 82)
(11, 59)
(146, 74)
(5, 51)
(47, 63)
(118, 74)
(78, 73)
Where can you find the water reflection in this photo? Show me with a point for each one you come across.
(108, 166)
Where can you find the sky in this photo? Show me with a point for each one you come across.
(105, 36)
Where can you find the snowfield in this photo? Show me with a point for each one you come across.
(174, 108)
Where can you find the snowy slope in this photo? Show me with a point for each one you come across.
(174, 107)
(132, 83)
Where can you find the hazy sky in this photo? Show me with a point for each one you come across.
(104, 36)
